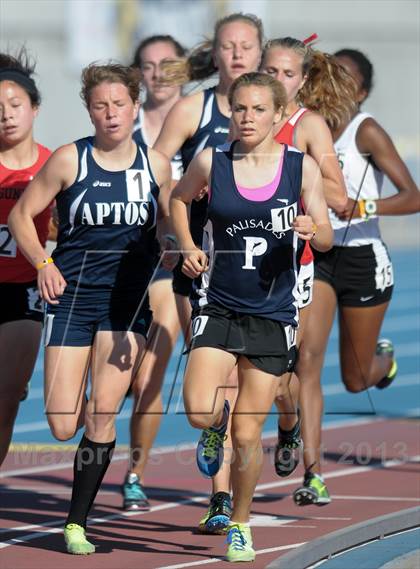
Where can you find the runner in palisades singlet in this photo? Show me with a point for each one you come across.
(199, 121)
(258, 248)
(246, 313)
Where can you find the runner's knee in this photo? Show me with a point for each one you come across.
(355, 377)
(201, 421)
(245, 434)
(353, 384)
(63, 430)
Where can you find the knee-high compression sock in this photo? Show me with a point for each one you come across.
(90, 465)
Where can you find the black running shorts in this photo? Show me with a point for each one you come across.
(360, 276)
(20, 301)
(267, 344)
(181, 284)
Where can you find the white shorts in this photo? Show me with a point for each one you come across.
(305, 284)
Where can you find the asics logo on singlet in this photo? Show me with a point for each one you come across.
(97, 183)
(220, 129)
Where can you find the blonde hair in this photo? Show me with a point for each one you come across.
(199, 64)
(260, 80)
(94, 74)
(328, 89)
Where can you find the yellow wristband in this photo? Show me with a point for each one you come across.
(362, 209)
(44, 263)
(314, 228)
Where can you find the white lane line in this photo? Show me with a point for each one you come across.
(49, 468)
(330, 519)
(338, 424)
(221, 559)
(277, 484)
(377, 498)
(346, 471)
(92, 521)
(402, 351)
(56, 491)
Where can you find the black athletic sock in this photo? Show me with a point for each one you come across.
(90, 464)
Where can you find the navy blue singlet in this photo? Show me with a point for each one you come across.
(139, 134)
(252, 245)
(140, 137)
(213, 130)
(108, 223)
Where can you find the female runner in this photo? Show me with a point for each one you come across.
(107, 189)
(20, 304)
(196, 122)
(247, 311)
(356, 275)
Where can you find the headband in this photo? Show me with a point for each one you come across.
(19, 77)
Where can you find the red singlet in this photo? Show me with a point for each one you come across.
(14, 268)
(285, 136)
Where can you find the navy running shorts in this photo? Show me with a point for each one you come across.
(360, 276)
(84, 311)
(161, 274)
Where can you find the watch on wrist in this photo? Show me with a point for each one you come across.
(370, 208)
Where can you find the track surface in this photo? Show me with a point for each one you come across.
(371, 445)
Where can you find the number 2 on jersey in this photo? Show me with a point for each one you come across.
(8, 246)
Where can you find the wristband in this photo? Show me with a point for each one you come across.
(362, 209)
(314, 228)
(44, 263)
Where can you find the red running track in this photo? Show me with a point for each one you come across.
(371, 469)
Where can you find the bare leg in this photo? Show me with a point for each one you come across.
(288, 392)
(257, 390)
(359, 330)
(147, 385)
(19, 344)
(311, 360)
(115, 360)
(65, 375)
(204, 385)
(221, 482)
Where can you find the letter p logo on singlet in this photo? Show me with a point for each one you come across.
(254, 247)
